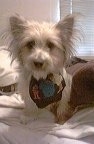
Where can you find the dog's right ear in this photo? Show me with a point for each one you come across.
(17, 24)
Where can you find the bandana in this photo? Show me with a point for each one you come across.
(46, 91)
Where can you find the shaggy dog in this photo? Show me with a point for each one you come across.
(42, 50)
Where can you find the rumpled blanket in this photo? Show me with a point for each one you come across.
(77, 130)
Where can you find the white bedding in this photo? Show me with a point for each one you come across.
(78, 130)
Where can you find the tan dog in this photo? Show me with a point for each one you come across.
(42, 50)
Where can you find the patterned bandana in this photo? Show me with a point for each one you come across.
(46, 91)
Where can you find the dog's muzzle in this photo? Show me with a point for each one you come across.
(45, 91)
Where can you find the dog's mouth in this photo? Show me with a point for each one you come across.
(42, 68)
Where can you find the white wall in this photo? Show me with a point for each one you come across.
(41, 10)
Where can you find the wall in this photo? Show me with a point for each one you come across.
(41, 10)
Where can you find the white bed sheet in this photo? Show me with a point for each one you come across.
(77, 130)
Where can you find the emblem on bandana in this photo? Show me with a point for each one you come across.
(45, 91)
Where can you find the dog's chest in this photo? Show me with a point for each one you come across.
(46, 91)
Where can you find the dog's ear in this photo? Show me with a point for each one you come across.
(66, 26)
(70, 32)
(17, 24)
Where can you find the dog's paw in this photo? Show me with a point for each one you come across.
(25, 119)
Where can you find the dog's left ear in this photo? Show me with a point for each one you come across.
(65, 27)
(17, 24)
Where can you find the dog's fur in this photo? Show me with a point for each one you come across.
(42, 48)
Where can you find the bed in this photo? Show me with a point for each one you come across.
(79, 129)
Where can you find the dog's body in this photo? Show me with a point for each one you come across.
(42, 49)
(62, 109)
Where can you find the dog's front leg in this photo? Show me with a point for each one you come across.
(30, 113)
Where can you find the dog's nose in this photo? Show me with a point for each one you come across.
(38, 64)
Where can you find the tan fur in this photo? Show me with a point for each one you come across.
(51, 45)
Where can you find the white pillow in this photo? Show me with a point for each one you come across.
(8, 70)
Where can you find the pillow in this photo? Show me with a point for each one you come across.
(82, 89)
(8, 72)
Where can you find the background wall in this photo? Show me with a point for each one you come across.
(41, 10)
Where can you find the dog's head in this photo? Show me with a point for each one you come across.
(42, 48)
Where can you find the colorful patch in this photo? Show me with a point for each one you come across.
(47, 88)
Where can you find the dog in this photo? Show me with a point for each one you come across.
(42, 50)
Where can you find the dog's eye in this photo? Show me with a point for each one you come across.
(31, 44)
(50, 45)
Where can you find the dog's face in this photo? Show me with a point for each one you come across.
(41, 48)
